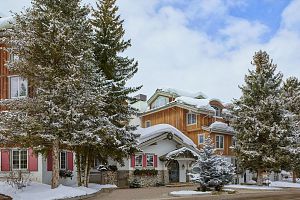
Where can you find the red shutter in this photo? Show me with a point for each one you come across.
(70, 161)
(49, 162)
(144, 160)
(155, 160)
(133, 160)
(5, 160)
(32, 160)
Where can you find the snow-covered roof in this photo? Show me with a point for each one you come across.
(198, 103)
(183, 93)
(5, 22)
(181, 151)
(220, 126)
(156, 130)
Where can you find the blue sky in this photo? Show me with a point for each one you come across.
(204, 45)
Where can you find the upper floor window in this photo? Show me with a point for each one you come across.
(160, 101)
(18, 87)
(147, 124)
(138, 160)
(191, 118)
(218, 111)
(200, 138)
(19, 159)
(220, 142)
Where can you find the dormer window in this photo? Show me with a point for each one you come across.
(160, 101)
(18, 87)
(218, 111)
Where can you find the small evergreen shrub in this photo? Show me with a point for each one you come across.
(135, 184)
(145, 172)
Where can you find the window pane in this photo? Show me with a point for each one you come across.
(23, 159)
(150, 161)
(15, 160)
(14, 92)
(138, 161)
(201, 139)
(23, 87)
(62, 160)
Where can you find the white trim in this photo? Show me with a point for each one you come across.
(219, 142)
(203, 138)
(187, 119)
(149, 154)
(12, 159)
(66, 162)
(135, 166)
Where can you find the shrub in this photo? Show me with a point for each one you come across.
(145, 172)
(135, 184)
(65, 174)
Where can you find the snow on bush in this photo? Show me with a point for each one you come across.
(215, 171)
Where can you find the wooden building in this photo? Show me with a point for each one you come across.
(193, 114)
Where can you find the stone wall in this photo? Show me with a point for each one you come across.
(149, 181)
(104, 177)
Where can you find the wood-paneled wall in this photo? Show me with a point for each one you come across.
(176, 116)
(3, 73)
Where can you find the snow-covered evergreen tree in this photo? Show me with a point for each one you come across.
(291, 102)
(52, 40)
(109, 47)
(260, 123)
(215, 171)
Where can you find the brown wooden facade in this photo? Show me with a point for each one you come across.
(176, 116)
(4, 73)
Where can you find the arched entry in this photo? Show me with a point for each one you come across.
(173, 169)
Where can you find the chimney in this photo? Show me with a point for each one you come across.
(141, 97)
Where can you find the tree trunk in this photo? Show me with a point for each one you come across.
(294, 177)
(55, 164)
(260, 176)
(86, 170)
(78, 166)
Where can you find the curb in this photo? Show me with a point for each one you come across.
(103, 190)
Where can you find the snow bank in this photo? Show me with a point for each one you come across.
(198, 103)
(252, 187)
(184, 193)
(38, 191)
(220, 126)
(156, 130)
(183, 93)
(283, 184)
(180, 151)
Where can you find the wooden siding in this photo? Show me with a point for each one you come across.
(3, 73)
(176, 116)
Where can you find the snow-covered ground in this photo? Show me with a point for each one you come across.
(183, 193)
(252, 187)
(283, 184)
(38, 191)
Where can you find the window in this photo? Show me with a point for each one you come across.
(218, 111)
(220, 142)
(13, 57)
(148, 124)
(200, 138)
(191, 118)
(63, 160)
(19, 159)
(160, 101)
(18, 87)
(139, 160)
(150, 160)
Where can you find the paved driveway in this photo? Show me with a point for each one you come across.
(155, 193)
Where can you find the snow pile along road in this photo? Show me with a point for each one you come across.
(38, 191)
(184, 193)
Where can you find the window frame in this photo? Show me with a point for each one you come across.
(159, 102)
(218, 143)
(135, 161)
(187, 119)
(218, 111)
(18, 86)
(148, 122)
(152, 166)
(60, 160)
(19, 159)
(203, 135)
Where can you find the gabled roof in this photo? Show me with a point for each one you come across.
(146, 134)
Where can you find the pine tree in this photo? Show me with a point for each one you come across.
(260, 123)
(109, 48)
(52, 40)
(291, 102)
(215, 171)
